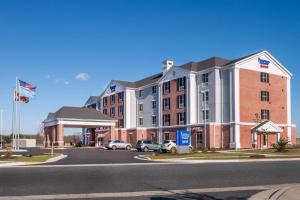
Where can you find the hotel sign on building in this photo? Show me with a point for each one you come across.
(224, 103)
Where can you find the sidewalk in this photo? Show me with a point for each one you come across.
(291, 192)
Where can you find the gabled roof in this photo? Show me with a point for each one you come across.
(92, 99)
(67, 112)
(267, 127)
(242, 58)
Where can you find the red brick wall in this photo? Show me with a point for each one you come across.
(250, 102)
(173, 102)
(116, 106)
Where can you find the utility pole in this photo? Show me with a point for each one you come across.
(1, 128)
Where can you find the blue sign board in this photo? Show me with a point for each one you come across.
(183, 137)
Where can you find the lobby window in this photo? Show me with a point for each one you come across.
(154, 104)
(141, 121)
(141, 93)
(265, 114)
(154, 89)
(112, 99)
(153, 120)
(141, 107)
(112, 112)
(264, 77)
(181, 101)
(205, 78)
(181, 118)
(105, 101)
(205, 114)
(167, 88)
(167, 120)
(167, 136)
(121, 123)
(264, 96)
(121, 97)
(181, 84)
(121, 110)
(167, 103)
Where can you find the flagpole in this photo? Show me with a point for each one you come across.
(18, 116)
(1, 129)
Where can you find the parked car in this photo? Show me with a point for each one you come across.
(146, 145)
(170, 146)
(118, 144)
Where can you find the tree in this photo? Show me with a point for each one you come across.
(281, 145)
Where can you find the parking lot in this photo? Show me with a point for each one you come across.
(92, 156)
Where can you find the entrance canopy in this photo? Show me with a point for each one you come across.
(78, 117)
(266, 127)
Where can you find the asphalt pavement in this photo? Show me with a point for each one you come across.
(140, 177)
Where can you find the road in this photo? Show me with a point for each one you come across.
(113, 179)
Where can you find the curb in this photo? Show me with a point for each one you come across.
(278, 193)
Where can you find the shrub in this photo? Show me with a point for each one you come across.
(8, 153)
(213, 149)
(281, 145)
(204, 150)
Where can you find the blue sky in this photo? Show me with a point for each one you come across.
(48, 43)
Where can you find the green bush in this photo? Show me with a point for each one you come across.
(8, 153)
(281, 145)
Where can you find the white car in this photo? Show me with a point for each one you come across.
(118, 144)
(170, 146)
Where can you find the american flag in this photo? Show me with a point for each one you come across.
(27, 85)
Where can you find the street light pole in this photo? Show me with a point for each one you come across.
(1, 128)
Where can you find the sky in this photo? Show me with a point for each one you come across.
(71, 49)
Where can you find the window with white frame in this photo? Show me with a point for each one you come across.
(265, 114)
(121, 123)
(167, 103)
(141, 93)
(112, 111)
(153, 119)
(154, 89)
(181, 101)
(181, 118)
(205, 96)
(112, 99)
(121, 110)
(167, 120)
(205, 114)
(167, 86)
(121, 97)
(205, 78)
(105, 101)
(181, 84)
(141, 121)
(264, 77)
(167, 135)
(154, 104)
(141, 107)
(264, 96)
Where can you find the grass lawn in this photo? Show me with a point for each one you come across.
(33, 159)
(246, 154)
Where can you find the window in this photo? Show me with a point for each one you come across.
(141, 121)
(205, 78)
(205, 114)
(167, 120)
(105, 101)
(112, 111)
(154, 90)
(167, 136)
(121, 110)
(264, 96)
(181, 101)
(167, 104)
(141, 107)
(105, 111)
(265, 114)
(112, 99)
(121, 123)
(153, 120)
(120, 97)
(264, 77)
(181, 118)
(167, 87)
(154, 104)
(141, 92)
(181, 84)
(205, 96)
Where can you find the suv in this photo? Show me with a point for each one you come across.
(146, 145)
(170, 146)
(118, 144)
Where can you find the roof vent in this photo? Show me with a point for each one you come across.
(167, 64)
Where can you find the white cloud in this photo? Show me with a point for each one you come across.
(61, 80)
(82, 76)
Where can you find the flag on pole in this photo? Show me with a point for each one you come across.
(27, 89)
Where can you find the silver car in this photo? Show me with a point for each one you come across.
(118, 144)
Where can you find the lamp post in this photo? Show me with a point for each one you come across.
(1, 128)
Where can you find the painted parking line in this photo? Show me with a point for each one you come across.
(143, 193)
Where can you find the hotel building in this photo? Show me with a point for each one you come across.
(241, 103)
